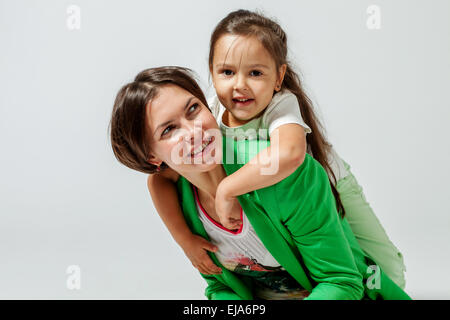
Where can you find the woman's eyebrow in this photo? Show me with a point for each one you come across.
(167, 122)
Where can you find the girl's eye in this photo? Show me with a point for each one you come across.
(227, 72)
(256, 73)
(166, 130)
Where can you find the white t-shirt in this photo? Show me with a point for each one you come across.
(243, 252)
(283, 109)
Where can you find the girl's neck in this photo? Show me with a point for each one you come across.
(207, 182)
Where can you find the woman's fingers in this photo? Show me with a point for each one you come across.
(207, 267)
(201, 269)
(208, 246)
(200, 259)
(208, 264)
(211, 268)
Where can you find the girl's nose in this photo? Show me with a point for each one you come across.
(240, 83)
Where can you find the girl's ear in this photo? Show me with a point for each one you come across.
(281, 73)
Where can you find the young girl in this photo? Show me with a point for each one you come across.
(258, 90)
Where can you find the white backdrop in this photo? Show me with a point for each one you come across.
(65, 200)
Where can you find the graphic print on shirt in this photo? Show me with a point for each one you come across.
(269, 279)
(243, 252)
(242, 263)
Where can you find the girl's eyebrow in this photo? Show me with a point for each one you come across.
(258, 65)
(167, 122)
(223, 65)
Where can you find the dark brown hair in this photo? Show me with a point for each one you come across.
(273, 38)
(128, 128)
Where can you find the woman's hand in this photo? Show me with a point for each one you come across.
(195, 249)
(227, 208)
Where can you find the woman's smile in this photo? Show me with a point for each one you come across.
(204, 149)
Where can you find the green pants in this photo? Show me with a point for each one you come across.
(368, 230)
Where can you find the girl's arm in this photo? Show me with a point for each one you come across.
(164, 194)
(284, 155)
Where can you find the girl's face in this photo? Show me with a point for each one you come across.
(182, 131)
(245, 77)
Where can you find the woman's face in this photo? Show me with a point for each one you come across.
(182, 131)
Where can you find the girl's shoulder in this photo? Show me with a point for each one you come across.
(283, 101)
(283, 109)
(283, 94)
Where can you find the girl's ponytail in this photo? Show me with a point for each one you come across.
(273, 38)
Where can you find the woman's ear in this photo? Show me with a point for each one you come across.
(154, 160)
(281, 73)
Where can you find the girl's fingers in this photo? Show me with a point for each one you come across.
(233, 225)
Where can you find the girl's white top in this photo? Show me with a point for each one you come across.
(283, 109)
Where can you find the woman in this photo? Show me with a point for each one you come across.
(302, 247)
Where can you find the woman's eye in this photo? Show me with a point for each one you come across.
(166, 130)
(193, 107)
(256, 73)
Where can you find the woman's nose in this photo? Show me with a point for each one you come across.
(194, 132)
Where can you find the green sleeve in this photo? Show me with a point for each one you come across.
(216, 290)
(307, 207)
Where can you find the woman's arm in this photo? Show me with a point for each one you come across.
(162, 189)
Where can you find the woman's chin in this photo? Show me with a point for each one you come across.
(205, 166)
(193, 167)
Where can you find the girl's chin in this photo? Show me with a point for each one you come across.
(242, 117)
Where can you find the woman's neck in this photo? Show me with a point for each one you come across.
(207, 182)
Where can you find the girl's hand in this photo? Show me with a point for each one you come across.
(228, 209)
(195, 249)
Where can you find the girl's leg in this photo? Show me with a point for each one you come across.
(368, 230)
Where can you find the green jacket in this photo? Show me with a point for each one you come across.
(297, 221)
